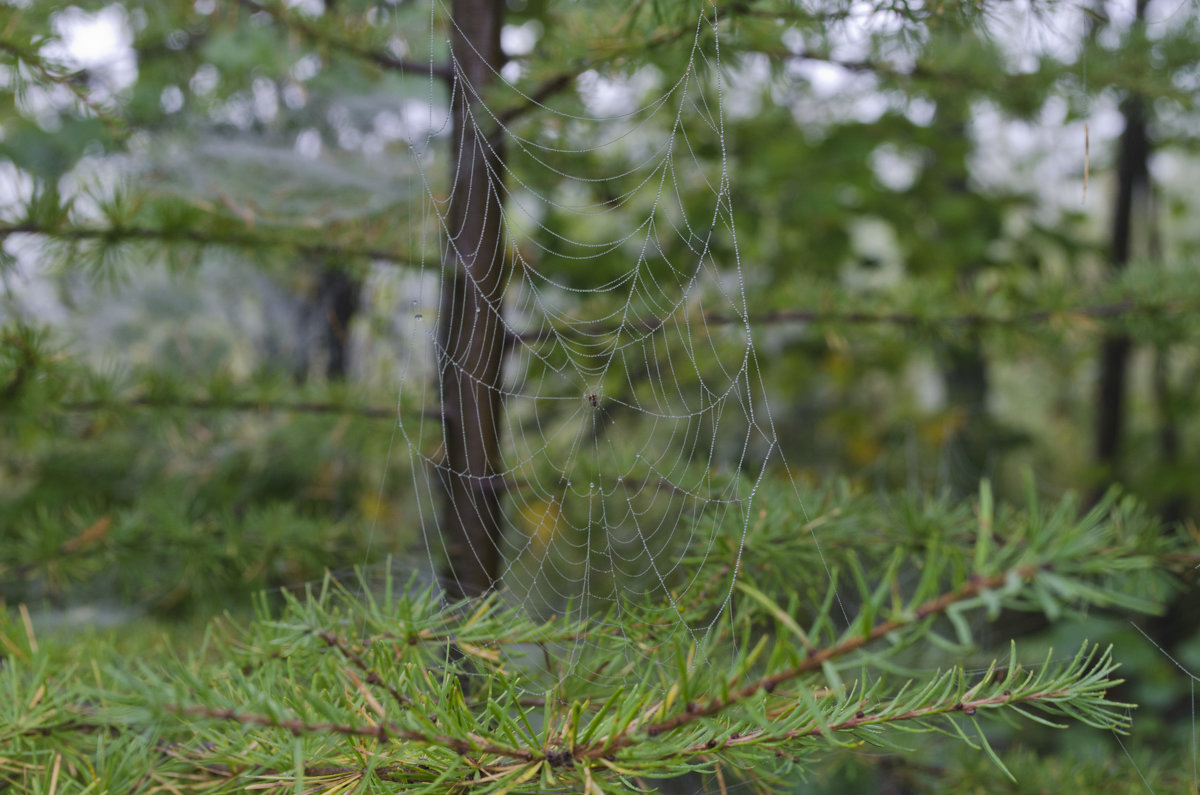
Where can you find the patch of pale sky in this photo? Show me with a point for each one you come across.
(398, 46)
(171, 99)
(204, 81)
(512, 72)
(519, 40)
(312, 8)
(743, 99)
(306, 68)
(607, 97)
(308, 144)
(16, 187)
(1046, 155)
(101, 42)
(266, 99)
(896, 168)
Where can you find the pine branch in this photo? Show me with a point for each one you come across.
(236, 405)
(397, 688)
(373, 678)
(1115, 310)
(1096, 675)
(534, 99)
(313, 34)
(54, 74)
(815, 660)
(473, 744)
(284, 239)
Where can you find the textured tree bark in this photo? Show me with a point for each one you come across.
(470, 335)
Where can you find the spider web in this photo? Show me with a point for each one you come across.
(633, 426)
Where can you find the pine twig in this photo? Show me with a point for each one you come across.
(814, 660)
(382, 732)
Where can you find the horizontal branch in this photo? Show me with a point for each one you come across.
(812, 662)
(966, 706)
(382, 732)
(381, 59)
(123, 234)
(1101, 311)
(602, 750)
(255, 406)
(968, 319)
(535, 98)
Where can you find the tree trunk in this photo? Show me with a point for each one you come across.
(470, 335)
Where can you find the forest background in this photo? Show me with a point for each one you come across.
(965, 234)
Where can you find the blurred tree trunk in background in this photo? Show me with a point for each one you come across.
(969, 446)
(965, 367)
(1131, 205)
(337, 299)
(1169, 446)
(326, 311)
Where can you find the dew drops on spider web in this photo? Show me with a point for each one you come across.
(579, 355)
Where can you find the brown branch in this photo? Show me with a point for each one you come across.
(396, 772)
(382, 732)
(814, 661)
(693, 712)
(373, 678)
(861, 718)
(535, 98)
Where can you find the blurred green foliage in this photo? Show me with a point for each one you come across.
(925, 304)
